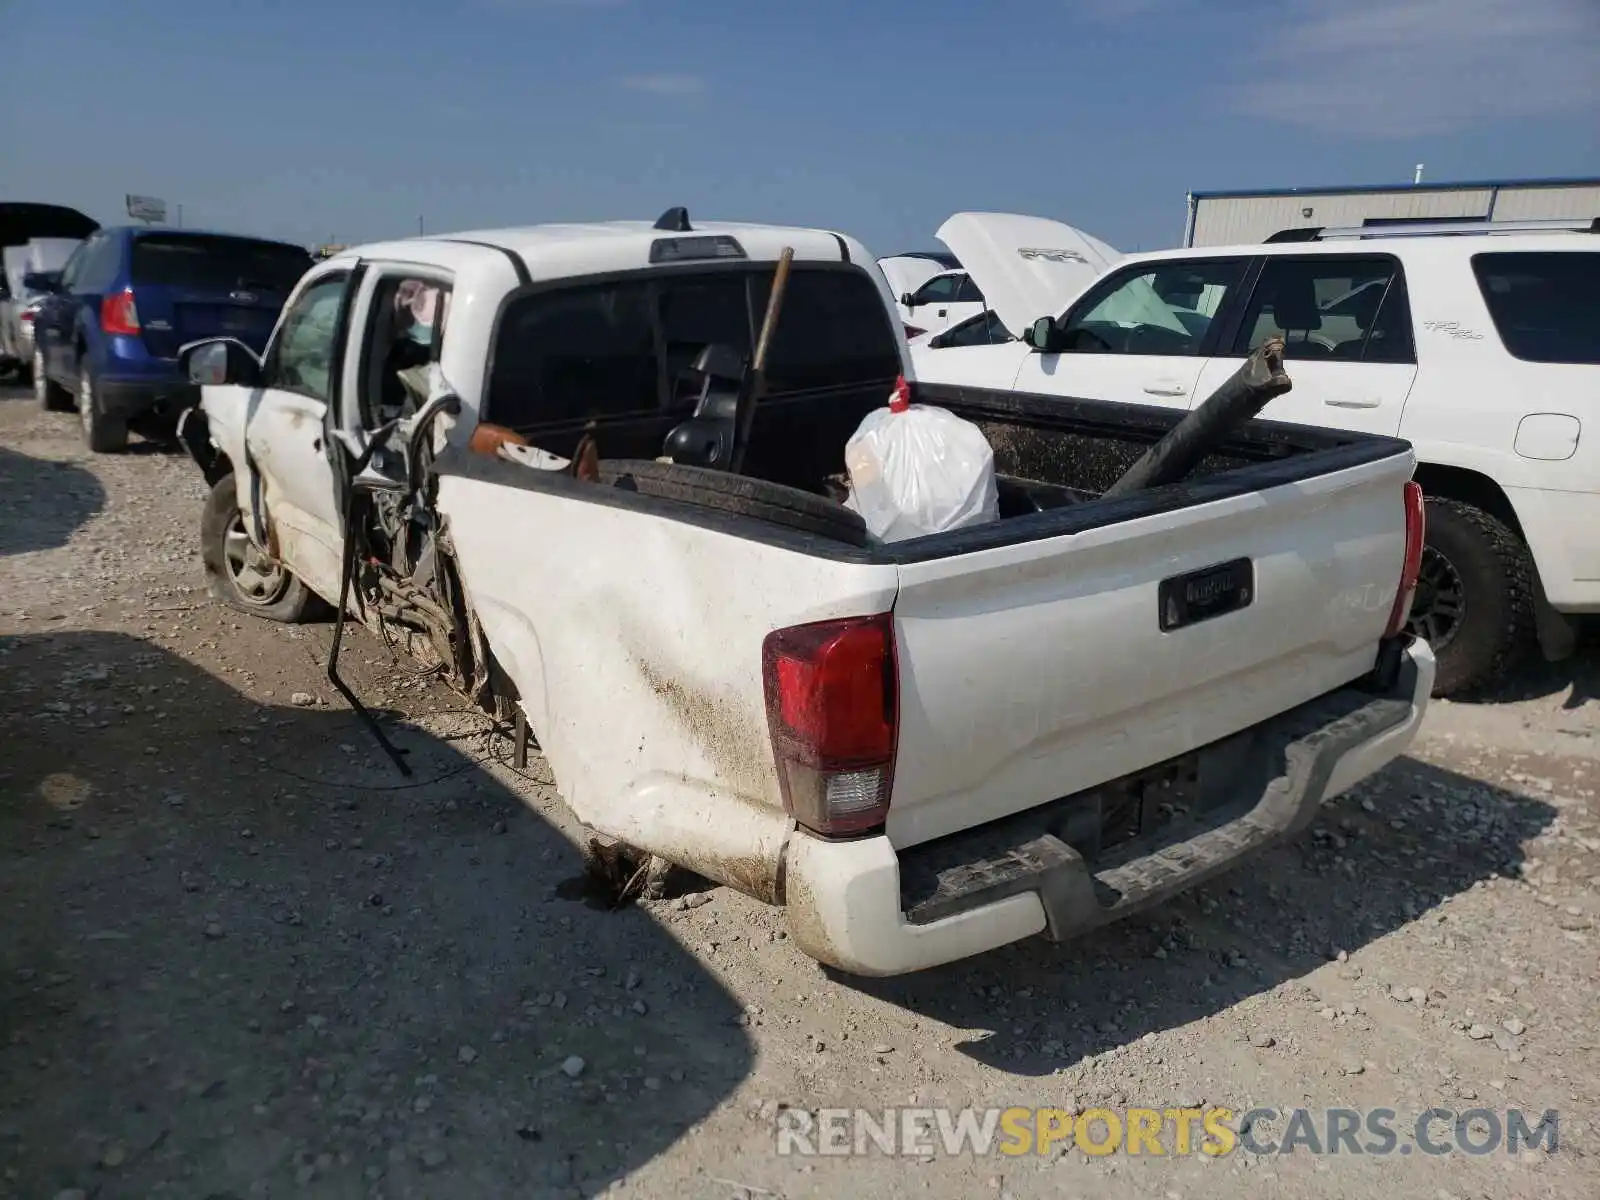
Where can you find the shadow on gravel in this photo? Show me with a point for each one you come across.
(226, 972)
(151, 448)
(158, 434)
(1351, 879)
(1578, 677)
(45, 502)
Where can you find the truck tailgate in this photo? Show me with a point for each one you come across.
(1032, 671)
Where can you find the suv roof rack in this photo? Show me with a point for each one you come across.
(1315, 233)
(1309, 233)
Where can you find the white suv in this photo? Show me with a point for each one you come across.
(1479, 345)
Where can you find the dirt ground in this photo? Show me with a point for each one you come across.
(242, 957)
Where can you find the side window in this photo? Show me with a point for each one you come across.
(941, 289)
(967, 291)
(302, 355)
(405, 330)
(984, 330)
(72, 269)
(1545, 304)
(1390, 338)
(1163, 308)
(1342, 308)
(99, 268)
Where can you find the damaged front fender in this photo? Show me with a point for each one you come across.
(194, 431)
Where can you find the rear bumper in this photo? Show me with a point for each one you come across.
(131, 381)
(864, 908)
(135, 397)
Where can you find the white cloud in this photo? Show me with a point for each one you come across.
(1403, 68)
(665, 85)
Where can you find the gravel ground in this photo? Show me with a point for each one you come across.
(244, 958)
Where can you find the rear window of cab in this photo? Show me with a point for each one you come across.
(616, 348)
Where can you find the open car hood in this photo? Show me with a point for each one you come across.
(1026, 267)
(21, 221)
(906, 272)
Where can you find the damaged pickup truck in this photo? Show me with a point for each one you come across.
(577, 471)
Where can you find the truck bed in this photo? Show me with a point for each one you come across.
(1051, 454)
(1040, 655)
(1054, 456)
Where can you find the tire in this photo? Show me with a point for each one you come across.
(787, 507)
(51, 396)
(101, 433)
(267, 589)
(1474, 600)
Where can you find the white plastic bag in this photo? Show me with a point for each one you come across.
(915, 470)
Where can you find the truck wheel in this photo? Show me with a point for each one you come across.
(1474, 602)
(52, 397)
(784, 506)
(101, 433)
(242, 576)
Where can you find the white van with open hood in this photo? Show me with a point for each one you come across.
(1020, 268)
(908, 271)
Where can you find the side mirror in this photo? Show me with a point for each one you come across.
(42, 281)
(908, 300)
(217, 361)
(1042, 335)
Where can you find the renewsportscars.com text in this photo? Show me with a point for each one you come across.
(1376, 1132)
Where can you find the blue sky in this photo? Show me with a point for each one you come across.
(351, 118)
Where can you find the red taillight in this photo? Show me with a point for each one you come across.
(832, 692)
(1416, 528)
(118, 315)
(25, 315)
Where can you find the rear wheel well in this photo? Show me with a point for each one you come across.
(1469, 487)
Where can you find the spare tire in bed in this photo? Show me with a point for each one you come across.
(787, 507)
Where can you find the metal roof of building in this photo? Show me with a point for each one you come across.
(1372, 188)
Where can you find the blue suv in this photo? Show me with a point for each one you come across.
(106, 338)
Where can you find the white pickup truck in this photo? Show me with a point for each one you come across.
(922, 749)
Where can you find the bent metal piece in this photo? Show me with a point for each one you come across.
(356, 508)
(487, 439)
(1258, 381)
